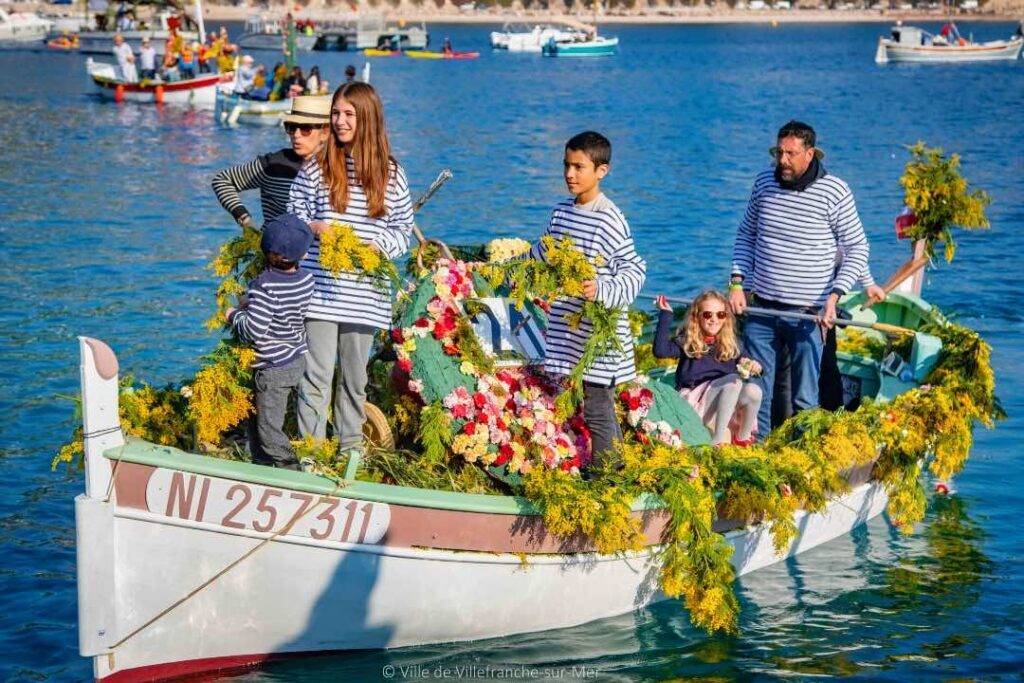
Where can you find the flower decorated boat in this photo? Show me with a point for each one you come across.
(173, 546)
(198, 93)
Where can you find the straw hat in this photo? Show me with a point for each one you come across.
(309, 109)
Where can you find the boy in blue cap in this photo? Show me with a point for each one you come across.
(271, 317)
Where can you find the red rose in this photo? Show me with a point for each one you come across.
(479, 400)
(396, 335)
(510, 405)
(624, 396)
(422, 322)
(451, 349)
(505, 454)
(633, 402)
(405, 364)
(469, 428)
(500, 424)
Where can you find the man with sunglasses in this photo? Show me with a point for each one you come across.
(798, 219)
(272, 174)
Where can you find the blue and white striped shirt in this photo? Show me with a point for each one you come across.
(353, 298)
(602, 233)
(273, 320)
(787, 244)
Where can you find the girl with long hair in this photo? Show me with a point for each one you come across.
(711, 370)
(353, 180)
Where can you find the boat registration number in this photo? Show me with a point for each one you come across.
(252, 507)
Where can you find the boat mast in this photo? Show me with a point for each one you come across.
(199, 21)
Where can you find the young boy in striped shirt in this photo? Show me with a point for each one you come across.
(271, 317)
(599, 230)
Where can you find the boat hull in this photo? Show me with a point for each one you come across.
(102, 42)
(892, 51)
(351, 573)
(595, 48)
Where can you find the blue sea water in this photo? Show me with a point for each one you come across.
(107, 220)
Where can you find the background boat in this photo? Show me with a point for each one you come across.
(912, 44)
(596, 47)
(22, 27)
(427, 54)
(265, 33)
(521, 37)
(197, 93)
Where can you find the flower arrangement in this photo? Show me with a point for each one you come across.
(940, 199)
(500, 250)
(343, 251)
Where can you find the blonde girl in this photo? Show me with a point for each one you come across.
(711, 370)
(353, 180)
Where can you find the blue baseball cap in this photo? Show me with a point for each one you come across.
(286, 235)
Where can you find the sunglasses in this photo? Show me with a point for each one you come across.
(304, 128)
(708, 315)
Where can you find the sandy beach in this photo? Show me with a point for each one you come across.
(649, 15)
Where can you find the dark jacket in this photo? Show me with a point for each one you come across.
(690, 372)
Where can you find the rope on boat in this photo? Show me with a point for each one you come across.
(249, 553)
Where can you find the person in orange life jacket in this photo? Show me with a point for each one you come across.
(187, 62)
(711, 370)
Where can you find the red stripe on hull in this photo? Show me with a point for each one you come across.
(212, 667)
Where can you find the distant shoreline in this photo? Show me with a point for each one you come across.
(653, 16)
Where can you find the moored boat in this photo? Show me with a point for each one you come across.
(265, 33)
(520, 37)
(594, 47)
(198, 93)
(22, 27)
(913, 44)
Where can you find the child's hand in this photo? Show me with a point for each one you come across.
(590, 289)
(318, 227)
(751, 365)
(228, 313)
(662, 303)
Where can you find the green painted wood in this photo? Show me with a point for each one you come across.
(145, 453)
(676, 410)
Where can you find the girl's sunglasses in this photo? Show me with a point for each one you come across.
(304, 128)
(708, 315)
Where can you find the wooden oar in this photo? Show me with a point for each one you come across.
(794, 315)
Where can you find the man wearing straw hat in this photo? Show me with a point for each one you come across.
(272, 174)
(798, 220)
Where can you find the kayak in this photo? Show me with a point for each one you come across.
(427, 54)
(374, 52)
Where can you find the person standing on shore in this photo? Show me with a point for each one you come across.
(354, 180)
(272, 174)
(798, 219)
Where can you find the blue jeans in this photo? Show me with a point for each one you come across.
(764, 338)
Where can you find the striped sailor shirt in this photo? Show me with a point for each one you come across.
(601, 232)
(353, 298)
(274, 319)
(272, 174)
(787, 245)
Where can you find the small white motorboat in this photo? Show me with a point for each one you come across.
(23, 27)
(913, 44)
(265, 33)
(520, 37)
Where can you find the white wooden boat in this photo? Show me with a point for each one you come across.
(520, 37)
(23, 27)
(912, 44)
(189, 564)
(198, 93)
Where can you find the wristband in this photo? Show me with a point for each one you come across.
(735, 286)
